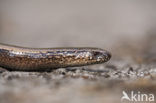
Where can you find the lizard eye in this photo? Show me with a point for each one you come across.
(97, 54)
(101, 55)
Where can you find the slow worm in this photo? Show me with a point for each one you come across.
(36, 59)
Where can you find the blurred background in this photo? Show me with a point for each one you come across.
(126, 28)
(57, 23)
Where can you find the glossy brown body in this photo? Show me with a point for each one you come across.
(34, 59)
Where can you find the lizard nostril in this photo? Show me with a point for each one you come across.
(109, 55)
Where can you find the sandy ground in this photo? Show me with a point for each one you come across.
(125, 28)
(97, 83)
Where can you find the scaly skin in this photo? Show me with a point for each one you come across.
(43, 59)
